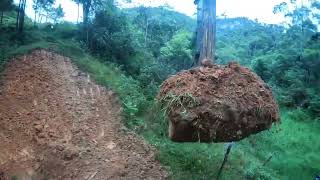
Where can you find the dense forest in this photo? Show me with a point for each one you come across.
(132, 51)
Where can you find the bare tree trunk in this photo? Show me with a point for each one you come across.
(88, 37)
(86, 9)
(22, 15)
(208, 30)
(18, 15)
(84, 20)
(40, 20)
(78, 13)
(146, 33)
(35, 19)
(1, 17)
(36, 9)
(199, 31)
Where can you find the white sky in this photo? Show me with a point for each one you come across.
(253, 9)
(69, 7)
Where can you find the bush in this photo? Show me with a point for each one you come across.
(315, 105)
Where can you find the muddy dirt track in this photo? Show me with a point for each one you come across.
(55, 123)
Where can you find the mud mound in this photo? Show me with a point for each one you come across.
(218, 103)
(57, 124)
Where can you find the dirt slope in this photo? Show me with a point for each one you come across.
(57, 124)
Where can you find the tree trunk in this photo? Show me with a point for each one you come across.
(36, 9)
(78, 13)
(207, 30)
(146, 33)
(199, 30)
(88, 37)
(1, 19)
(35, 19)
(22, 15)
(18, 15)
(86, 9)
(40, 20)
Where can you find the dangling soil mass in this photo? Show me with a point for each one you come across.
(217, 104)
(57, 124)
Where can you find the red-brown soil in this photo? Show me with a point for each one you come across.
(217, 104)
(57, 124)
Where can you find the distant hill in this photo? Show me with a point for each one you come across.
(237, 38)
(164, 15)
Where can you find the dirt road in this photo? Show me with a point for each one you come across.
(55, 123)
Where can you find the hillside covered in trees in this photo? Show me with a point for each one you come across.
(133, 50)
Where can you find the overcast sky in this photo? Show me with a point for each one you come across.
(253, 9)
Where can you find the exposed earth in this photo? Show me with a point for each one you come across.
(55, 123)
(217, 103)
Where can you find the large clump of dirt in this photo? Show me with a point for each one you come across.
(217, 104)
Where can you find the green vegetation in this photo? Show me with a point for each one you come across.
(133, 50)
(290, 145)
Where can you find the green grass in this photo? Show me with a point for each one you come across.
(294, 146)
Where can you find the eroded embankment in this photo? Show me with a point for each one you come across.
(57, 124)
